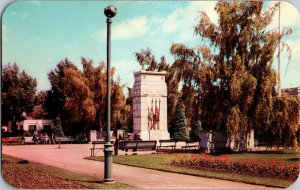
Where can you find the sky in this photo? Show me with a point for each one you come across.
(37, 35)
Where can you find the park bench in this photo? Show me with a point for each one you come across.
(63, 140)
(146, 145)
(94, 143)
(166, 144)
(279, 144)
(262, 143)
(136, 146)
(194, 145)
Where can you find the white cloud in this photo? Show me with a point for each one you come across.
(128, 29)
(289, 16)
(183, 20)
(126, 69)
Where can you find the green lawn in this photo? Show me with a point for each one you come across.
(86, 180)
(287, 156)
(162, 162)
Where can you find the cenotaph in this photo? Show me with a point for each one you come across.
(150, 105)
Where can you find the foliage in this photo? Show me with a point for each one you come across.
(284, 120)
(227, 82)
(179, 125)
(127, 112)
(232, 79)
(195, 131)
(39, 112)
(57, 130)
(80, 96)
(18, 90)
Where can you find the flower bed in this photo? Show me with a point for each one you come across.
(263, 168)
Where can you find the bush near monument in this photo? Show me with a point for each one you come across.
(195, 131)
(179, 127)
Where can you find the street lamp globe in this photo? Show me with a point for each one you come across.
(110, 11)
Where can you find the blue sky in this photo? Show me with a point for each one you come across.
(38, 34)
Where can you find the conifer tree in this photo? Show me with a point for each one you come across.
(195, 130)
(57, 130)
(179, 124)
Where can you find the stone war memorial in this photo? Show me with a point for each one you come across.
(150, 106)
(150, 116)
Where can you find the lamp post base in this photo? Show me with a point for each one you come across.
(108, 151)
(109, 181)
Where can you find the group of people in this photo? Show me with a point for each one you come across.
(43, 138)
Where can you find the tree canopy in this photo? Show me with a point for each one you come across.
(227, 82)
(80, 96)
(18, 92)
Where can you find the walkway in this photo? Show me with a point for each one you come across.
(71, 156)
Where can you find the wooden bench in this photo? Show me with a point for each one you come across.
(94, 143)
(128, 145)
(63, 140)
(263, 143)
(166, 144)
(136, 146)
(195, 145)
(146, 145)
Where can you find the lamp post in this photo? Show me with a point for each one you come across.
(109, 12)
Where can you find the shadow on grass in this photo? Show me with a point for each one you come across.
(274, 152)
(294, 159)
(87, 181)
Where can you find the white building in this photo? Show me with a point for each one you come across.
(36, 125)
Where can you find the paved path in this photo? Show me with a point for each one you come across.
(71, 156)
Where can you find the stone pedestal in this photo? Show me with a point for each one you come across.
(213, 141)
(150, 106)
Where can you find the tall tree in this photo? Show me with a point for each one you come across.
(179, 130)
(80, 96)
(39, 110)
(18, 92)
(57, 129)
(234, 79)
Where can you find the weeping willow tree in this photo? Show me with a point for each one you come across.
(285, 121)
(227, 82)
(232, 77)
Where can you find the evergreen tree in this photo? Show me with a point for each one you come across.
(179, 125)
(57, 130)
(195, 131)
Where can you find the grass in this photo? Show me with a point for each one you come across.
(162, 162)
(86, 180)
(287, 156)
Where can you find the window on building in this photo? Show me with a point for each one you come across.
(32, 128)
(47, 128)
